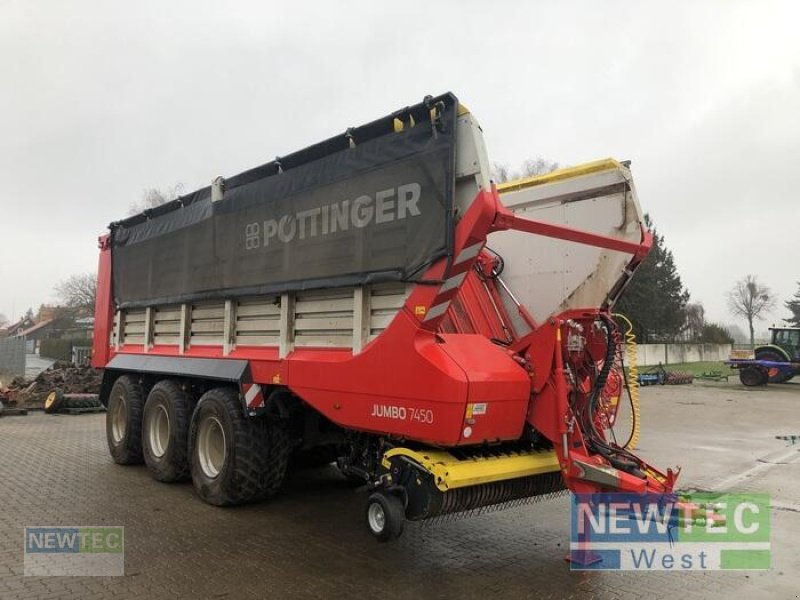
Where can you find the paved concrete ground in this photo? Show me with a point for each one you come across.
(310, 542)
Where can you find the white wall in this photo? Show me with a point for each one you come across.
(670, 354)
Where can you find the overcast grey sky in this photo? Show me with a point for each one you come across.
(101, 99)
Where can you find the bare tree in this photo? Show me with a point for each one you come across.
(695, 320)
(152, 197)
(501, 172)
(750, 299)
(793, 304)
(78, 292)
(737, 333)
(538, 166)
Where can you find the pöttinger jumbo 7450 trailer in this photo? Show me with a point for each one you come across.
(348, 303)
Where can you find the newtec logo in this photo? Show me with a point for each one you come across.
(81, 551)
(700, 531)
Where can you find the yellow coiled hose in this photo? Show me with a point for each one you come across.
(633, 380)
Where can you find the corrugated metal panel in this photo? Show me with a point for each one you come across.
(166, 324)
(257, 321)
(318, 318)
(385, 302)
(133, 326)
(324, 318)
(207, 323)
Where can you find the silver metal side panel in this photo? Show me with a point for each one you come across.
(549, 275)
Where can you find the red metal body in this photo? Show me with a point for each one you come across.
(453, 346)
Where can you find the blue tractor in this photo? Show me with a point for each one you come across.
(776, 362)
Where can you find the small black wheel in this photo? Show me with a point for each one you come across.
(53, 401)
(753, 376)
(385, 516)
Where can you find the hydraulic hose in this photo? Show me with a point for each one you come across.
(632, 381)
(619, 456)
(608, 363)
(600, 383)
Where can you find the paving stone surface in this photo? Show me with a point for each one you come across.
(310, 541)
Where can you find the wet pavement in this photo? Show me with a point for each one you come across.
(311, 542)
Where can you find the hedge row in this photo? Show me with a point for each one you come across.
(60, 349)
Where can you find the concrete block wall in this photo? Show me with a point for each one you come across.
(670, 354)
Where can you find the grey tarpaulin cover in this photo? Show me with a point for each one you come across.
(367, 206)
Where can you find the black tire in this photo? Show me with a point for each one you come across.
(165, 432)
(385, 516)
(234, 459)
(280, 448)
(80, 403)
(53, 402)
(124, 421)
(753, 376)
(775, 375)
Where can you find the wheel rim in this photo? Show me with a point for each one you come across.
(211, 446)
(51, 397)
(376, 517)
(158, 431)
(119, 420)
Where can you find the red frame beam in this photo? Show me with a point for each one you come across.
(507, 220)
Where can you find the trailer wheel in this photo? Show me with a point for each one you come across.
(280, 448)
(165, 432)
(124, 421)
(234, 459)
(53, 401)
(753, 376)
(385, 516)
(775, 374)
